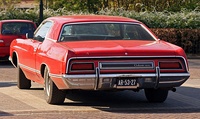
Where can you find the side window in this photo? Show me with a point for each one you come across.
(42, 31)
(67, 30)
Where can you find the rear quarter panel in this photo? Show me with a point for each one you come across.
(52, 55)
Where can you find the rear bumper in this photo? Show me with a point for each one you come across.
(109, 81)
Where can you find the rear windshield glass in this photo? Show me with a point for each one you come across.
(17, 28)
(104, 31)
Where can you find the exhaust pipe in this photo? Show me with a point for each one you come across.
(173, 89)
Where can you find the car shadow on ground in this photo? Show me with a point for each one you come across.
(125, 101)
(5, 114)
(6, 64)
(7, 84)
(132, 102)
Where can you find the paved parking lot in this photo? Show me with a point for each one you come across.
(21, 104)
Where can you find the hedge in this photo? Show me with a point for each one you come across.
(182, 28)
(183, 19)
(165, 19)
(188, 39)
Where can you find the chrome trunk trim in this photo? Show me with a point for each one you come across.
(127, 65)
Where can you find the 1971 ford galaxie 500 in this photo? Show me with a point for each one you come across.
(92, 52)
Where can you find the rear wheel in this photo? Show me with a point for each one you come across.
(22, 81)
(52, 94)
(156, 95)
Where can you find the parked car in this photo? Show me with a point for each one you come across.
(93, 52)
(10, 30)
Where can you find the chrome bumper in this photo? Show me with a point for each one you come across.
(109, 81)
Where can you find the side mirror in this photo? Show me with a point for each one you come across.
(29, 35)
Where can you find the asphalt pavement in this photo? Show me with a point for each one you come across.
(30, 104)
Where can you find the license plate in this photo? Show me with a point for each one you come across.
(126, 82)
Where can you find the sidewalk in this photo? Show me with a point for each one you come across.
(193, 56)
(194, 68)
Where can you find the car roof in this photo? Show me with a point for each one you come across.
(15, 20)
(90, 18)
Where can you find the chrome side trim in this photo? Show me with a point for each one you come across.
(51, 39)
(55, 75)
(29, 68)
(38, 71)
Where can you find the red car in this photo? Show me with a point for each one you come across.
(10, 30)
(93, 52)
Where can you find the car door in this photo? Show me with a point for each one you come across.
(40, 49)
(31, 51)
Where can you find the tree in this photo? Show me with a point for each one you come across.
(8, 3)
(93, 6)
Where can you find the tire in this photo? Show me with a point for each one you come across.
(156, 95)
(52, 94)
(22, 81)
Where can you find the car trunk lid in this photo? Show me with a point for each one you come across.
(120, 48)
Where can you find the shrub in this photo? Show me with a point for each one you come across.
(188, 39)
(165, 19)
(183, 19)
(180, 28)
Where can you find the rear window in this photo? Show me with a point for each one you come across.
(17, 28)
(104, 31)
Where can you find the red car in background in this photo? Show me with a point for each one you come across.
(10, 30)
(93, 52)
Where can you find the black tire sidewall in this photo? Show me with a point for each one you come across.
(55, 96)
(22, 81)
(156, 95)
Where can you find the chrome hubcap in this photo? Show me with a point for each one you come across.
(47, 85)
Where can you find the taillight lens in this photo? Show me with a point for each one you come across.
(170, 65)
(2, 43)
(82, 66)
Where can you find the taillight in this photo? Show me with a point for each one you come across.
(82, 67)
(2, 43)
(170, 65)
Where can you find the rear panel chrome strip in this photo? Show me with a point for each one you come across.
(126, 65)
